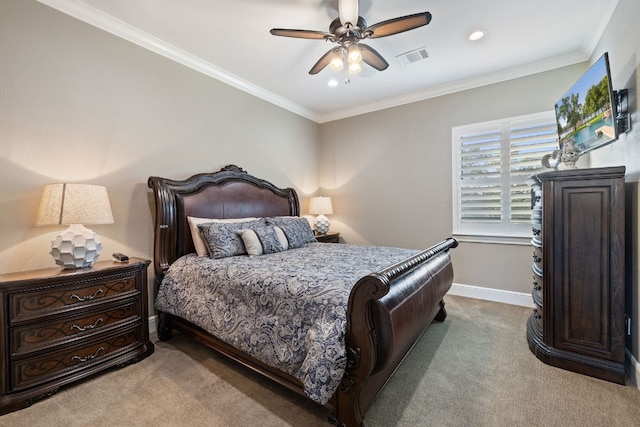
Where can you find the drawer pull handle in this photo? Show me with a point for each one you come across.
(87, 327)
(89, 357)
(88, 297)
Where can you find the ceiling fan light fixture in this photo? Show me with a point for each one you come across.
(347, 31)
(355, 54)
(336, 60)
(355, 68)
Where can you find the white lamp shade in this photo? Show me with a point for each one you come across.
(320, 206)
(75, 204)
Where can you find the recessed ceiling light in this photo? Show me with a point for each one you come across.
(476, 35)
(333, 83)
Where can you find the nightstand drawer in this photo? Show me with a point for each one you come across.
(45, 367)
(42, 302)
(34, 336)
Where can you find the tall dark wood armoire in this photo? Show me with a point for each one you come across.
(578, 271)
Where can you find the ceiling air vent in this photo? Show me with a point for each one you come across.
(413, 56)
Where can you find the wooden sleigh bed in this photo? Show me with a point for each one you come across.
(387, 310)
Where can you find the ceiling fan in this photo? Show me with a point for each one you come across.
(347, 31)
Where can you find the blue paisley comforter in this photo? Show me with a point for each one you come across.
(285, 309)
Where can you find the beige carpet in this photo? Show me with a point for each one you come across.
(475, 369)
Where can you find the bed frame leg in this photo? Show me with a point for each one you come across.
(164, 326)
(442, 314)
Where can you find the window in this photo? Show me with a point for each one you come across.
(491, 164)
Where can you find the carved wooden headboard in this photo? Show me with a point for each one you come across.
(229, 193)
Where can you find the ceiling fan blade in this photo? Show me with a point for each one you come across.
(301, 34)
(397, 25)
(371, 57)
(348, 10)
(322, 62)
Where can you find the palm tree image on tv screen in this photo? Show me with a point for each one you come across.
(585, 112)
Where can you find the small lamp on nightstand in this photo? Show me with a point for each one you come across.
(75, 205)
(320, 206)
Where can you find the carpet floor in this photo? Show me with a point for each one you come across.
(474, 369)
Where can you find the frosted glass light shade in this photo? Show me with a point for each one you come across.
(355, 68)
(321, 206)
(75, 204)
(348, 10)
(355, 54)
(336, 60)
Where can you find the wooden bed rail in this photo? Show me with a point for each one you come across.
(401, 267)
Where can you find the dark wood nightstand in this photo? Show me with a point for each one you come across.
(328, 237)
(60, 326)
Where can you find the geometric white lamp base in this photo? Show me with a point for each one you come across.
(321, 224)
(76, 247)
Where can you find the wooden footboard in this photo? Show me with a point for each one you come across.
(388, 312)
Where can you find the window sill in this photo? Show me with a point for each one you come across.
(500, 240)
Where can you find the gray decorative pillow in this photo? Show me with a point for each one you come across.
(298, 230)
(198, 241)
(265, 240)
(222, 239)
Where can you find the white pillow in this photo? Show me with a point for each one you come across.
(198, 241)
(253, 245)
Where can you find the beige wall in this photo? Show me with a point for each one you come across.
(622, 40)
(391, 173)
(80, 105)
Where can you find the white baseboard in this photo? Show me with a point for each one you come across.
(489, 294)
(152, 324)
(633, 368)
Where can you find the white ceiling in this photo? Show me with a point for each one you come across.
(229, 40)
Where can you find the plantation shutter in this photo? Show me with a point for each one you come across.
(528, 143)
(492, 162)
(481, 177)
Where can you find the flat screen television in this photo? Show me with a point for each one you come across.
(587, 112)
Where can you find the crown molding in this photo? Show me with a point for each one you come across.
(97, 18)
(590, 43)
(447, 89)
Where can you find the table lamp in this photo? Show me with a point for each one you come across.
(321, 206)
(75, 205)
